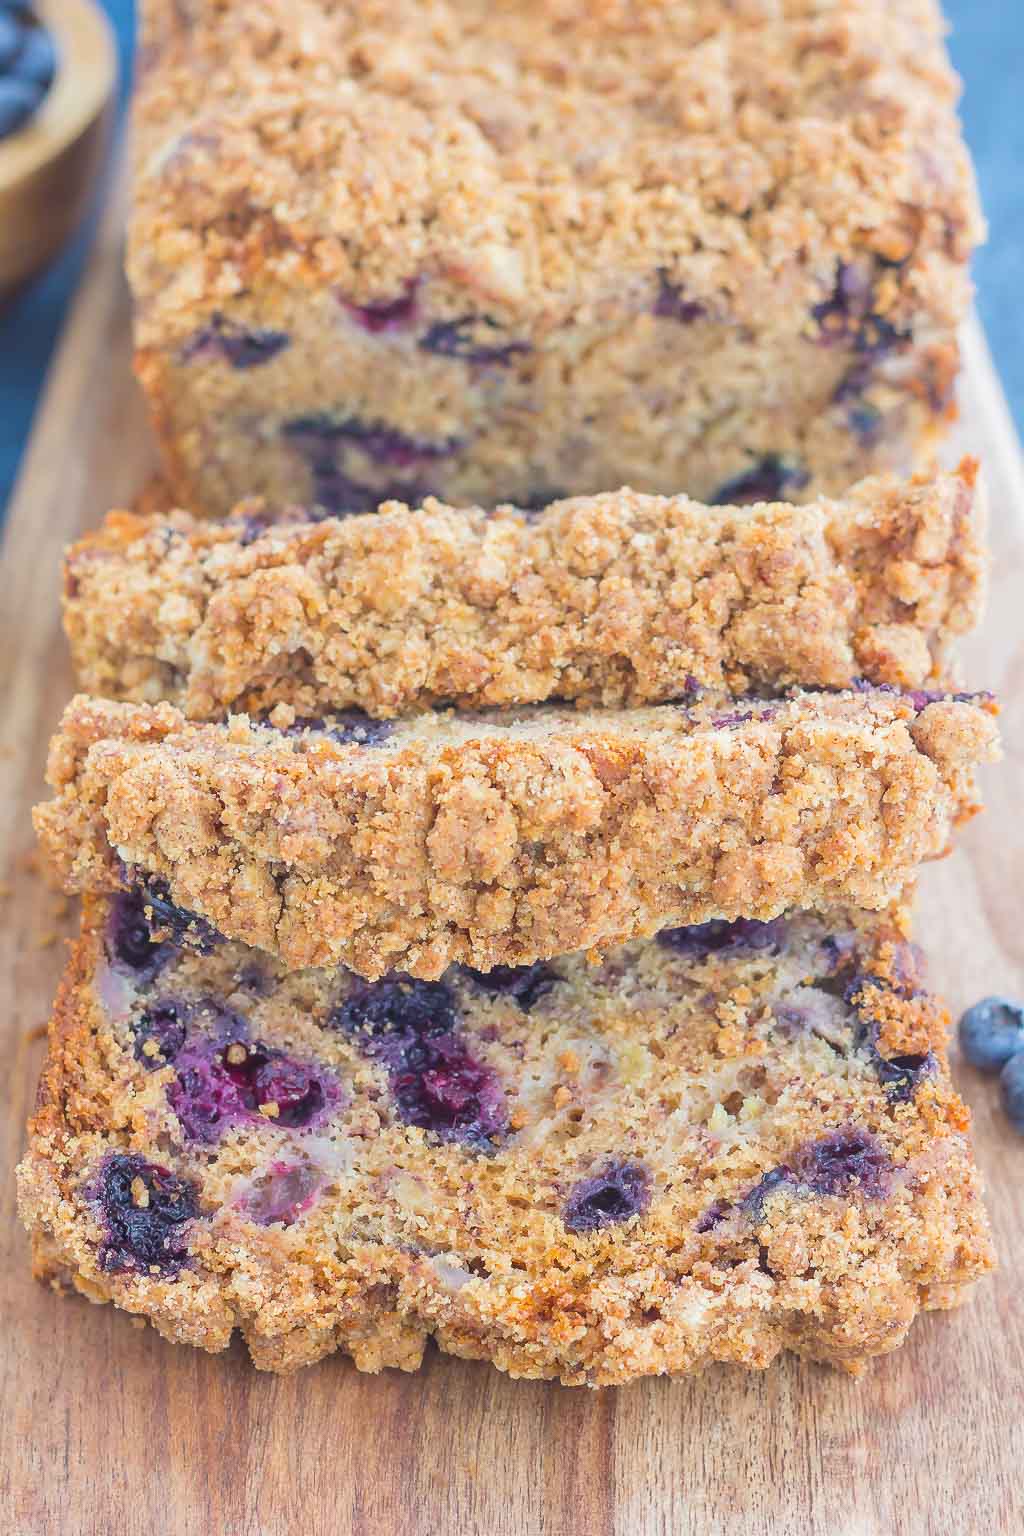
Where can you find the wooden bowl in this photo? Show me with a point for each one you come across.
(49, 168)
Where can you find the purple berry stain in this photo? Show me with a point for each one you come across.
(282, 1194)
(381, 319)
(671, 304)
(159, 1033)
(524, 985)
(146, 1209)
(324, 441)
(349, 727)
(468, 339)
(617, 1192)
(411, 1028)
(711, 1216)
(716, 936)
(240, 346)
(770, 479)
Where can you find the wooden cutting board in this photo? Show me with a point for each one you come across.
(107, 1429)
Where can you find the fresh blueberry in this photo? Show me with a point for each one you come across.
(524, 984)
(36, 64)
(12, 39)
(617, 1192)
(843, 1160)
(746, 933)
(467, 339)
(991, 1032)
(240, 346)
(1011, 1083)
(768, 480)
(410, 1027)
(18, 101)
(146, 1210)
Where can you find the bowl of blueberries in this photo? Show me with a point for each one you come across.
(58, 75)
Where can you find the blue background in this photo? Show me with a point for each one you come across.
(988, 49)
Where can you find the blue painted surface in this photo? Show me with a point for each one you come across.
(988, 48)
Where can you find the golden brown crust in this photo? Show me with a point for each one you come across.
(753, 145)
(612, 600)
(495, 842)
(640, 210)
(707, 1070)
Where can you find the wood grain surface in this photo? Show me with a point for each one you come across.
(107, 1429)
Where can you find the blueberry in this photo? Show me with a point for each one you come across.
(36, 64)
(746, 933)
(848, 318)
(410, 1028)
(341, 496)
(843, 1160)
(1011, 1083)
(991, 1032)
(467, 338)
(240, 346)
(12, 39)
(18, 100)
(391, 1014)
(146, 928)
(223, 1079)
(524, 984)
(145, 918)
(349, 727)
(767, 480)
(900, 1075)
(617, 1192)
(146, 1209)
(164, 1027)
(671, 305)
(709, 1219)
(130, 937)
(270, 1077)
(320, 435)
(754, 1201)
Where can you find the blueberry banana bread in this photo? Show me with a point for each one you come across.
(507, 838)
(497, 252)
(618, 599)
(733, 1140)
